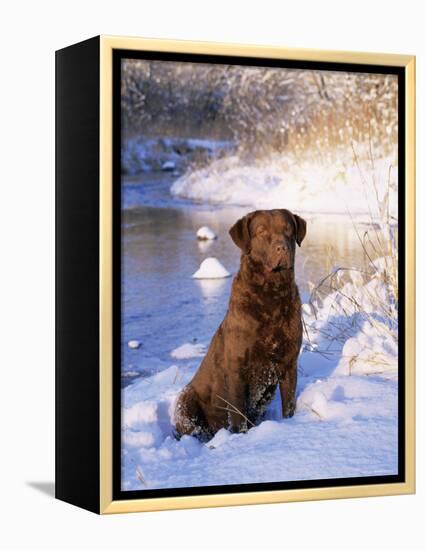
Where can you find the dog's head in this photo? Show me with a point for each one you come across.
(269, 237)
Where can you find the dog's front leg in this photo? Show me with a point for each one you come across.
(288, 388)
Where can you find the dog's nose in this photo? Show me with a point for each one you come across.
(280, 248)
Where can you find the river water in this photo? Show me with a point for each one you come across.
(162, 306)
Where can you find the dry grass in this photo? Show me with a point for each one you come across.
(353, 298)
(140, 475)
(230, 408)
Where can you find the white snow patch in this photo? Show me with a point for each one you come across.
(134, 344)
(222, 437)
(130, 374)
(137, 439)
(205, 234)
(211, 268)
(168, 166)
(140, 413)
(189, 351)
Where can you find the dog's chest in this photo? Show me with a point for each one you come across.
(279, 328)
(277, 339)
(273, 329)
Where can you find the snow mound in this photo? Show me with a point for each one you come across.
(211, 268)
(167, 166)
(205, 234)
(281, 181)
(188, 351)
(343, 399)
(134, 344)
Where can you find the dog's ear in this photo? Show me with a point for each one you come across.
(240, 233)
(300, 229)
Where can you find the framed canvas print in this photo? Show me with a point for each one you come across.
(235, 274)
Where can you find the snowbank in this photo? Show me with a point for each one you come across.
(345, 423)
(323, 185)
(167, 154)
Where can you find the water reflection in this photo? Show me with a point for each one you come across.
(204, 246)
(211, 288)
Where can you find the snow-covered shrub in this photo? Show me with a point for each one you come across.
(353, 315)
(259, 108)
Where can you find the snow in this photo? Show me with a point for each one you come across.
(167, 154)
(134, 344)
(188, 351)
(204, 233)
(211, 268)
(169, 165)
(353, 418)
(345, 423)
(330, 185)
(358, 323)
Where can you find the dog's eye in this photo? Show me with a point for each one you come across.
(287, 231)
(261, 231)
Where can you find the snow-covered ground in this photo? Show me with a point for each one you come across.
(335, 184)
(346, 419)
(346, 422)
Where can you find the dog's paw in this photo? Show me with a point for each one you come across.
(240, 429)
(288, 412)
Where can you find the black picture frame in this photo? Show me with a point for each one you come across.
(118, 56)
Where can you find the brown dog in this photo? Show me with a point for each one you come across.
(257, 345)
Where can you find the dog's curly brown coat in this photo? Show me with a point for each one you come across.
(256, 346)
